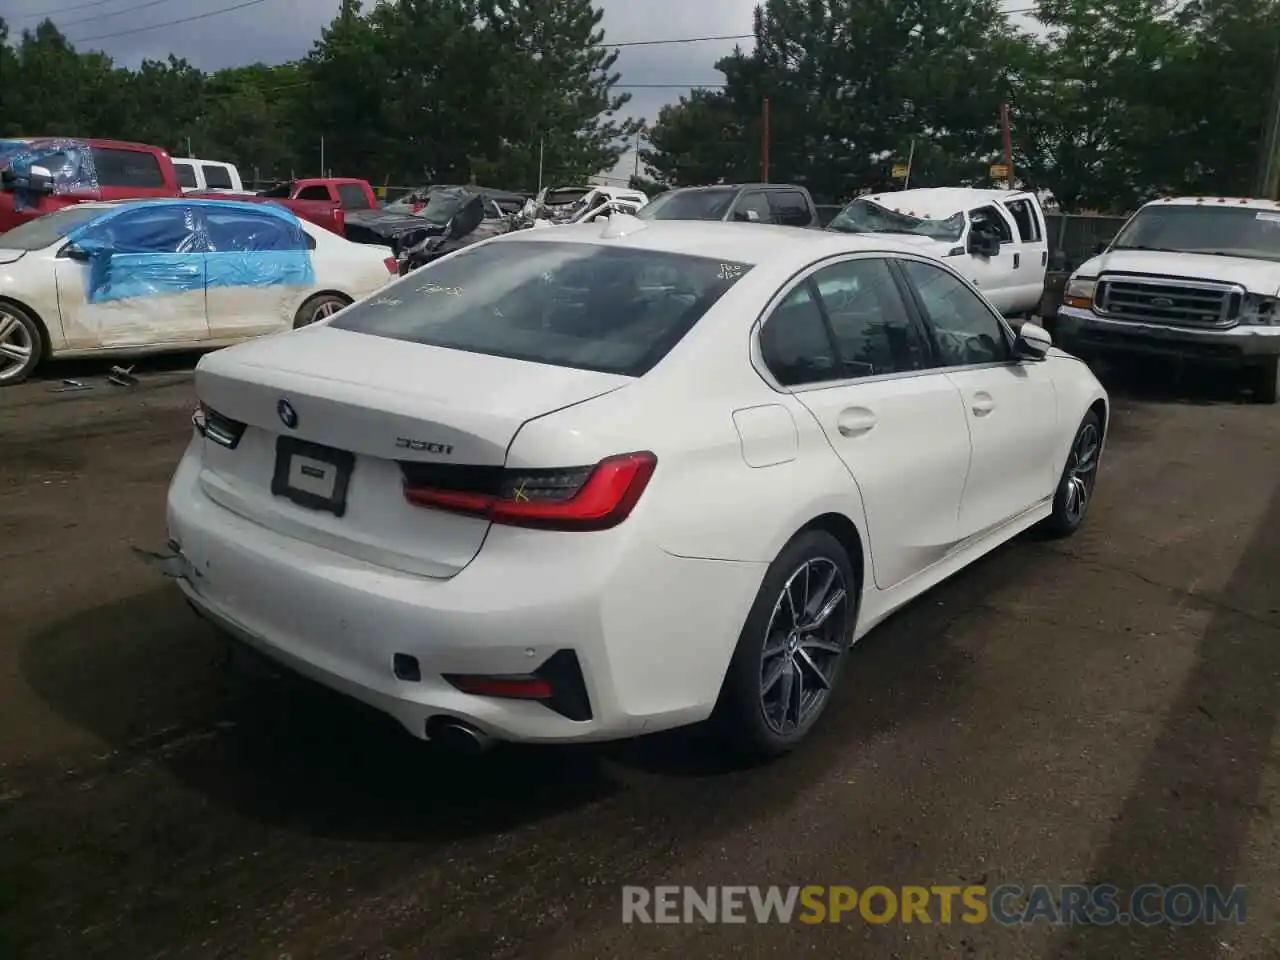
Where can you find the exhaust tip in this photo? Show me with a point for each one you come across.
(458, 737)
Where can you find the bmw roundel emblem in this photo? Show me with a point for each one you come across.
(288, 415)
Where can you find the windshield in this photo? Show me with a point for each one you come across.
(867, 216)
(696, 204)
(608, 309)
(1218, 230)
(47, 230)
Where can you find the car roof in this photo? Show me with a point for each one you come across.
(940, 202)
(752, 243)
(1252, 203)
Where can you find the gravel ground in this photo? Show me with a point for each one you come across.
(1100, 710)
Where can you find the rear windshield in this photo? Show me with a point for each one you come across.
(567, 304)
(47, 230)
(690, 205)
(563, 195)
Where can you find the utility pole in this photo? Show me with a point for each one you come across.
(1008, 143)
(322, 156)
(636, 176)
(911, 157)
(764, 142)
(1269, 158)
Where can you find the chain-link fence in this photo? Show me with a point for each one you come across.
(1075, 237)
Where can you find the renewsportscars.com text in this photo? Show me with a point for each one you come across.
(1008, 904)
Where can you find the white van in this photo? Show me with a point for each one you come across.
(996, 238)
(207, 176)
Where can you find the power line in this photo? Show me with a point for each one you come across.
(171, 23)
(114, 13)
(44, 15)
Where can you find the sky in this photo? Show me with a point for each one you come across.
(273, 31)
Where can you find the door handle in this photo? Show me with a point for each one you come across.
(1017, 260)
(855, 421)
(982, 404)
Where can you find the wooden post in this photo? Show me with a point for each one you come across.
(1008, 142)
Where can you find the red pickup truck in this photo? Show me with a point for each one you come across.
(41, 174)
(347, 193)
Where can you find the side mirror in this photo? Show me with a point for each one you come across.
(983, 244)
(73, 252)
(1102, 247)
(1032, 343)
(39, 180)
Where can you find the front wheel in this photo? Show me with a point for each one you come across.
(319, 308)
(1075, 488)
(791, 650)
(20, 344)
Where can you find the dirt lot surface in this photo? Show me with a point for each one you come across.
(1098, 710)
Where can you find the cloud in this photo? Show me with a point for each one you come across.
(274, 31)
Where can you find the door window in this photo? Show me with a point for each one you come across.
(795, 343)
(352, 196)
(874, 332)
(316, 192)
(217, 178)
(789, 208)
(249, 231)
(965, 329)
(753, 207)
(1024, 216)
(166, 229)
(127, 168)
(991, 221)
(186, 176)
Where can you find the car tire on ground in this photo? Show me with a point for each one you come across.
(319, 307)
(1264, 379)
(21, 344)
(792, 648)
(1079, 476)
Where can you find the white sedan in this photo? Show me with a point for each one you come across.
(151, 276)
(598, 481)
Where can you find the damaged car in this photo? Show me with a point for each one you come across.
(457, 216)
(408, 223)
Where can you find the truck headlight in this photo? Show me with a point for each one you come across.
(1259, 311)
(1079, 292)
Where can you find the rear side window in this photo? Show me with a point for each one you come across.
(352, 196)
(789, 208)
(246, 231)
(218, 178)
(127, 168)
(316, 192)
(573, 305)
(186, 176)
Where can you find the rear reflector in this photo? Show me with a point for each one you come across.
(573, 498)
(558, 684)
(509, 688)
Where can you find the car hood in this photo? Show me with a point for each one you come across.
(391, 223)
(1256, 276)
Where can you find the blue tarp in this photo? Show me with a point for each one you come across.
(158, 247)
(70, 162)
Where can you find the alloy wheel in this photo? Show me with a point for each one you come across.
(1082, 471)
(16, 345)
(803, 644)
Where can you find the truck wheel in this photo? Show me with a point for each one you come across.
(1265, 381)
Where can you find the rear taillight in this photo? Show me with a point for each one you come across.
(574, 498)
(212, 425)
(392, 265)
(340, 221)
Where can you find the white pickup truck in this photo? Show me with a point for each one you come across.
(996, 238)
(1189, 277)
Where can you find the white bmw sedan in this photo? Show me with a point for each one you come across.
(150, 276)
(593, 482)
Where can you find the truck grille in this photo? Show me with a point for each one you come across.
(1173, 302)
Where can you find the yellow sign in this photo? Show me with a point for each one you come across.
(381, 192)
(999, 171)
(899, 171)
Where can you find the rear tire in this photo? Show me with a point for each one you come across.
(792, 649)
(319, 307)
(1079, 476)
(21, 344)
(1264, 379)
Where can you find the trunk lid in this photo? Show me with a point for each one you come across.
(373, 402)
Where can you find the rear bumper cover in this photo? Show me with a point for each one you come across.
(1085, 333)
(341, 621)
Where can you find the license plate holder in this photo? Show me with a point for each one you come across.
(312, 475)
